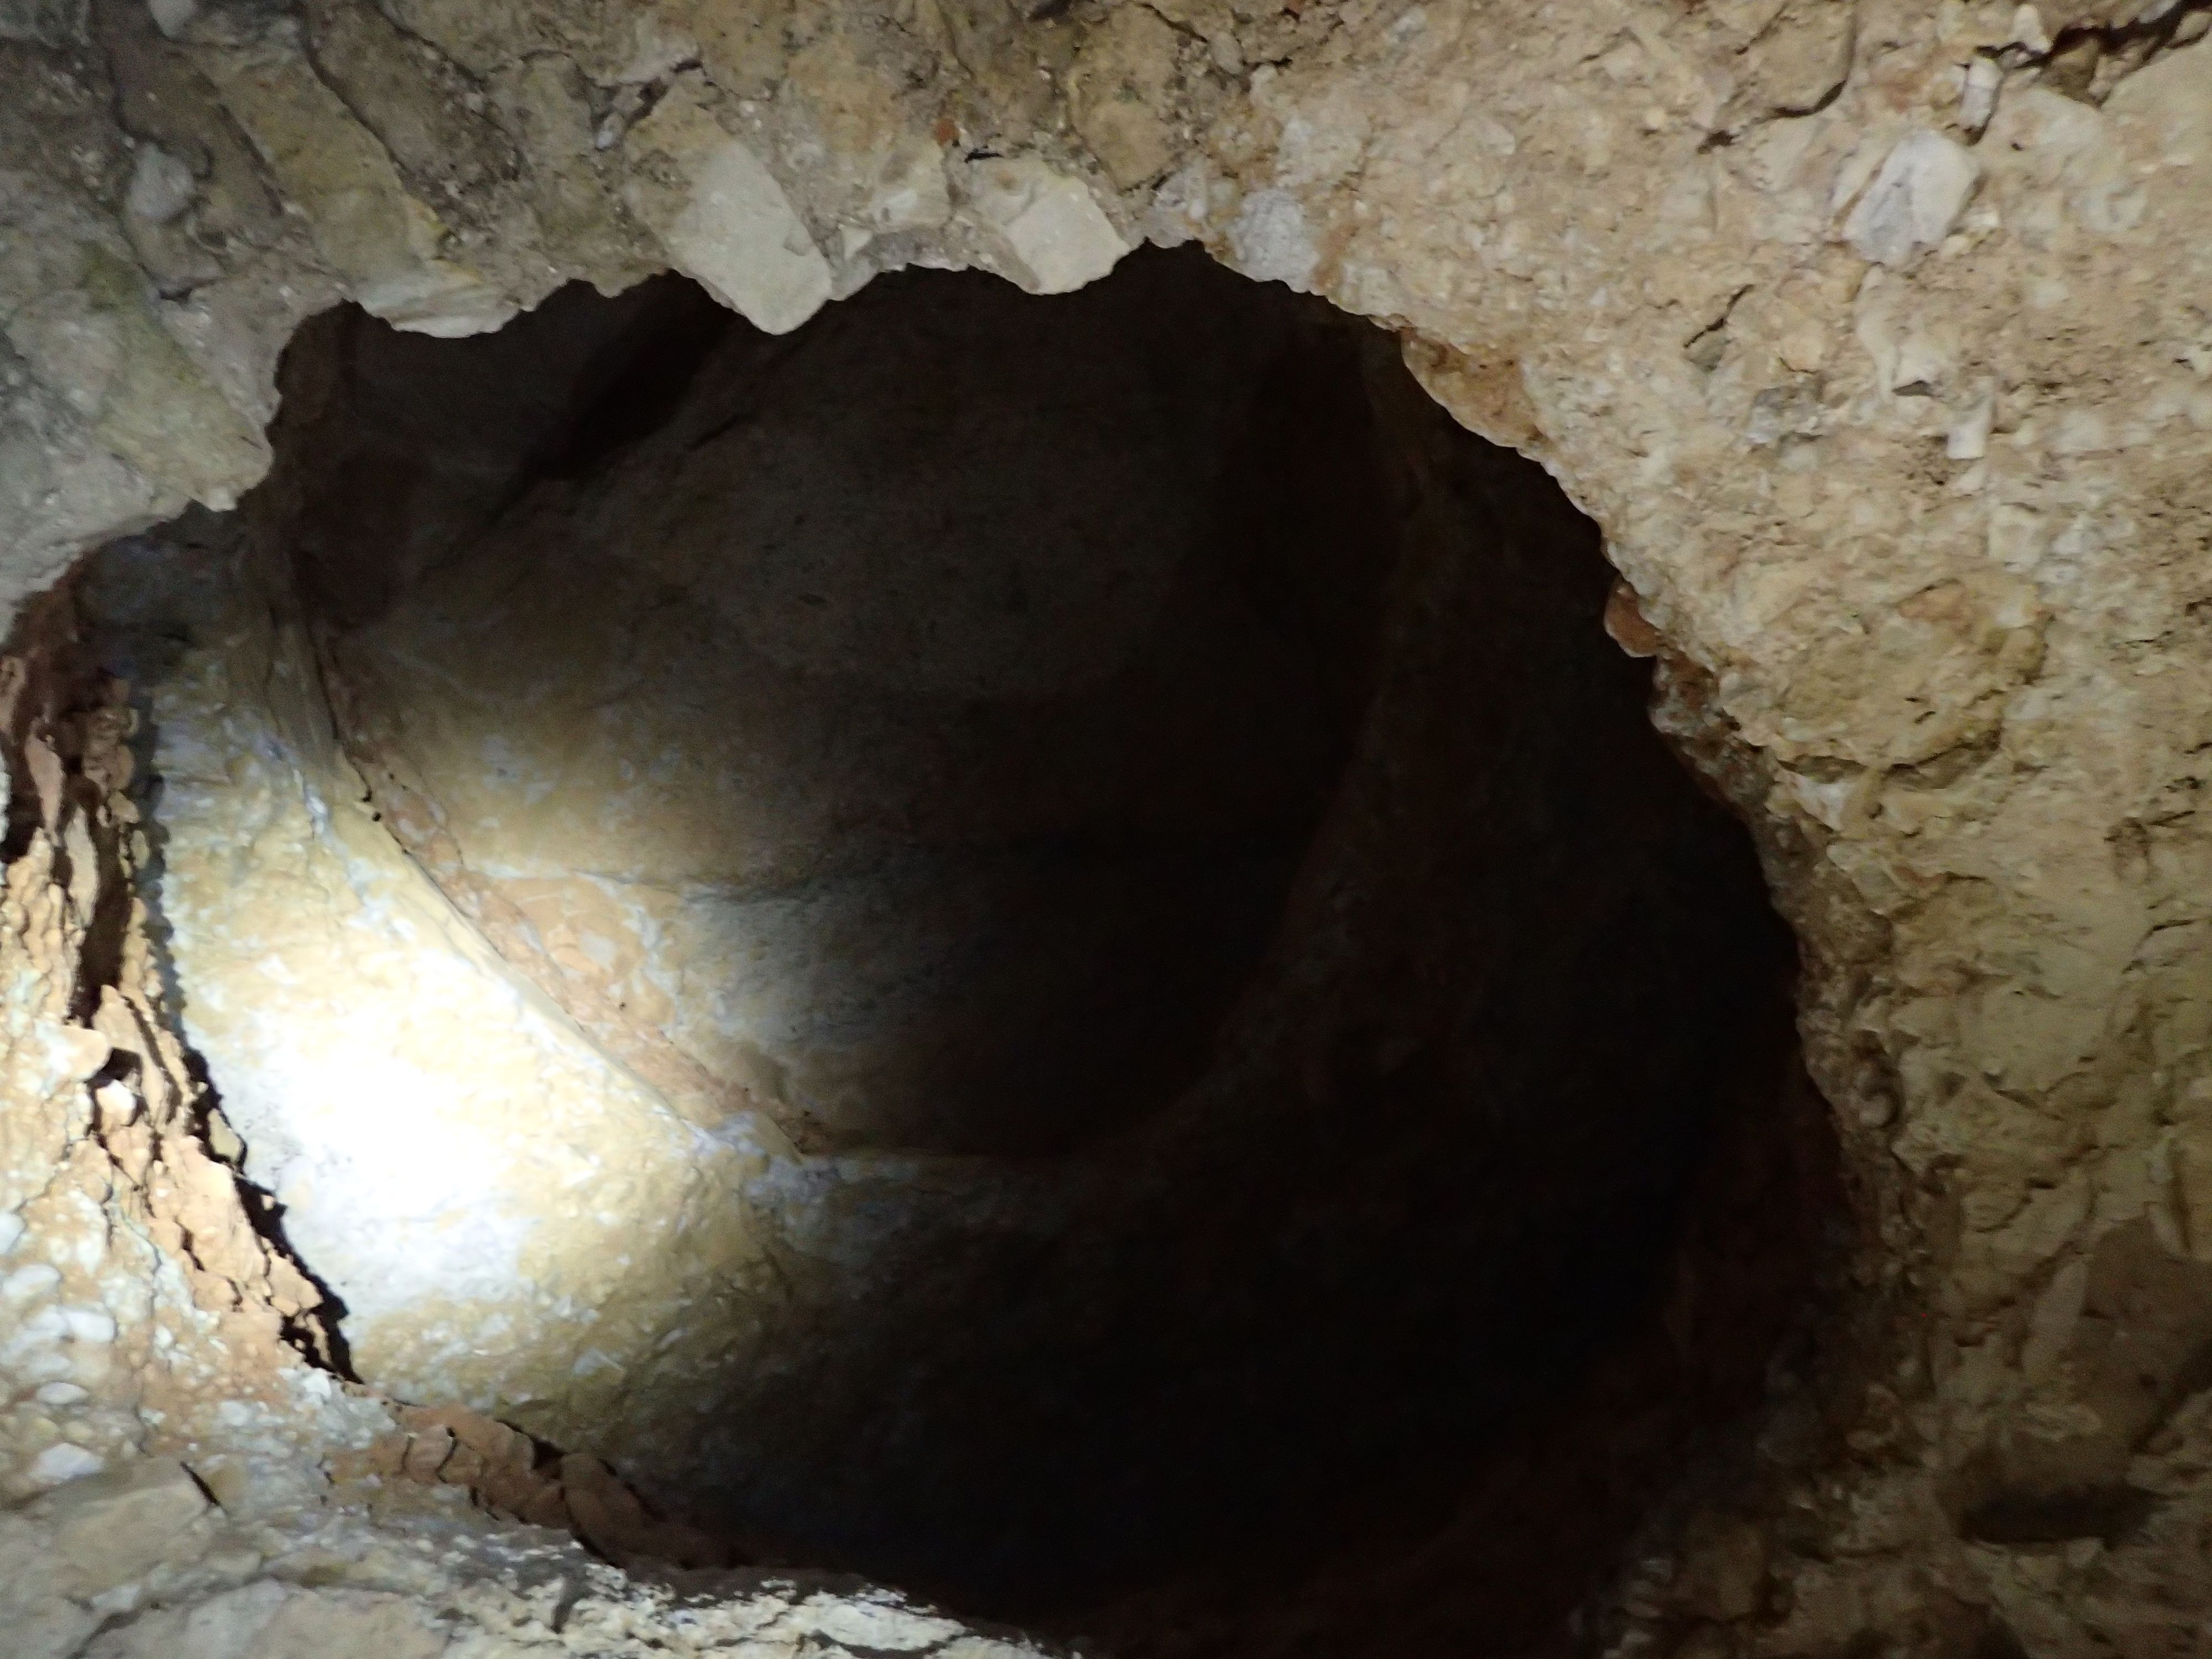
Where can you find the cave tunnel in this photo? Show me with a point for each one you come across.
(1032, 946)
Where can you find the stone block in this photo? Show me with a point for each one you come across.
(110, 1528)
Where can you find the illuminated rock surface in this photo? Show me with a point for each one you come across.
(1870, 335)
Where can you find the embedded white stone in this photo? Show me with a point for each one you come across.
(28, 1284)
(170, 17)
(91, 1325)
(913, 194)
(162, 186)
(1977, 100)
(66, 1461)
(1968, 440)
(2028, 32)
(1271, 240)
(884, 1627)
(1914, 199)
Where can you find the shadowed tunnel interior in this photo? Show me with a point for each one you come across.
(1118, 1005)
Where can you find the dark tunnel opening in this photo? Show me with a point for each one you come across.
(1249, 1076)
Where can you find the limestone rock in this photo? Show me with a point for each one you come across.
(1933, 624)
(113, 1527)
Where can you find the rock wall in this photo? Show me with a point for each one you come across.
(892, 739)
(411, 1105)
(1871, 333)
(144, 1309)
(139, 1564)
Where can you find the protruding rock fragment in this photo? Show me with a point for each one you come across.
(607, 1514)
(427, 1453)
(1627, 626)
(725, 220)
(1051, 223)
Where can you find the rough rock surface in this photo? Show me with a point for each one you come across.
(1872, 333)
(143, 1307)
(331, 1006)
(141, 1564)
